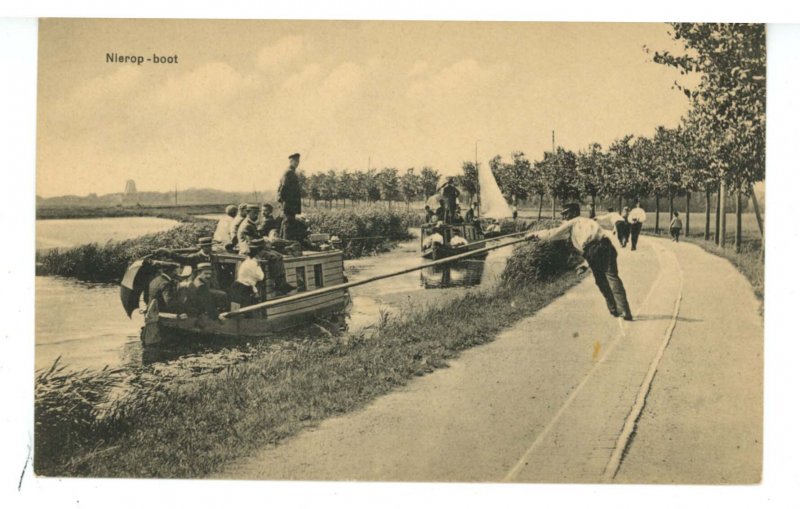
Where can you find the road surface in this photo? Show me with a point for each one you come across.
(572, 394)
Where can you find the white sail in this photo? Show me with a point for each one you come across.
(492, 202)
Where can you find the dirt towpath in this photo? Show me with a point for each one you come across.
(572, 394)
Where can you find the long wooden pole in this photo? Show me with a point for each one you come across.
(344, 286)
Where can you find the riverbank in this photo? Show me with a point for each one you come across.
(183, 213)
(364, 231)
(191, 429)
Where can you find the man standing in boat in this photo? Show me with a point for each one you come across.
(289, 194)
(597, 249)
(450, 193)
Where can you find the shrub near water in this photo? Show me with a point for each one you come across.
(364, 222)
(107, 263)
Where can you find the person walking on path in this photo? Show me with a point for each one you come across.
(636, 218)
(598, 251)
(618, 222)
(289, 193)
(675, 226)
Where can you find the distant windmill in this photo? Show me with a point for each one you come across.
(129, 197)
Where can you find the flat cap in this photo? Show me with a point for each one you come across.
(204, 241)
(203, 266)
(294, 156)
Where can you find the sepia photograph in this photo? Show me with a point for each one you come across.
(400, 251)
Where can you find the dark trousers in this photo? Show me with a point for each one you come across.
(623, 231)
(636, 228)
(602, 259)
(275, 266)
(676, 233)
(286, 225)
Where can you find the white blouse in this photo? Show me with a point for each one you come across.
(250, 272)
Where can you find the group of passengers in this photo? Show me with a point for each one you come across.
(249, 230)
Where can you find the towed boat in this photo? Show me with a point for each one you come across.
(437, 242)
(308, 272)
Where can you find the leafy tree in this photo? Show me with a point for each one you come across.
(315, 186)
(389, 185)
(561, 176)
(730, 100)
(537, 184)
(468, 181)
(410, 186)
(429, 180)
(512, 178)
(592, 168)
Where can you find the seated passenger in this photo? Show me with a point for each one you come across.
(435, 238)
(163, 288)
(244, 291)
(235, 227)
(494, 227)
(457, 219)
(428, 214)
(248, 229)
(267, 223)
(458, 240)
(440, 211)
(203, 253)
(222, 235)
(201, 300)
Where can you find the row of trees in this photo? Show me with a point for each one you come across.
(718, 148)
(366, 186)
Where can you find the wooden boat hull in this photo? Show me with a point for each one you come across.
(438, 252)
(311, 271)
(168, 327)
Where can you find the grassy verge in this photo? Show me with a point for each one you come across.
(193, 428)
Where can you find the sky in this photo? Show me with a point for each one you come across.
(245, 94)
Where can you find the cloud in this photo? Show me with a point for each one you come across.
(275, 57)
(210, 84)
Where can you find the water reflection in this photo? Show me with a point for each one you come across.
(460, 274)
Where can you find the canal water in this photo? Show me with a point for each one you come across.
(84, 326)
(61, 233)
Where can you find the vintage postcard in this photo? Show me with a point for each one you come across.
(421, 251)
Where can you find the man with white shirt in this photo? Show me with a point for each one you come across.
(619, 223)
(593, 244)
(222, 235)
(636, 218)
